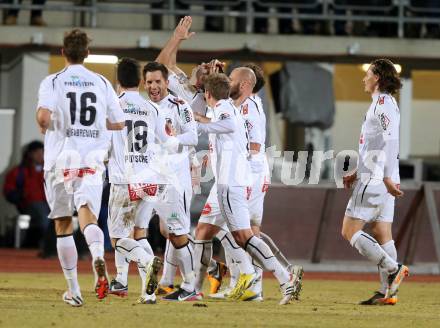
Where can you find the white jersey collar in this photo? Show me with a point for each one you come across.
(164, 100)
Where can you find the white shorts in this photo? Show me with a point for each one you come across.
(65, 194)
(211, 213)
(234, 205)
(174, 210)
(256, 200)
(143, 214)
(371, 202)
(124, 214)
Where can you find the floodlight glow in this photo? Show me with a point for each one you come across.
(101, 59)
(398, 67)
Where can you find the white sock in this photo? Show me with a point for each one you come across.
(234, 271)
(261, 253)
(170, 265)
(185, 258)
(133, 251)
(203, 256)
(390, 249)
(95, 240)
(369, 247)
(257, 287)
(240, 257)
(145, 245)
(275, 250)
(121, 268)
(68, 256)
(212, 265)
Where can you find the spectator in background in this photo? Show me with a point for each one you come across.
(36, 15)
(424, 8)
(365, 8)
(24, 187)
(260, 24)
(310, 26)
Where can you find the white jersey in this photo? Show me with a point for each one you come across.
(179, 85)
(81, 101)
(211, 146)
(177, 112)
(198, 103)
(133, 156)
(231, 144)
(255, 118)
(379, 140)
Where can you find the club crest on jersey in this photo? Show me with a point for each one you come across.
(381, 100)
(384, 121)
(361, 139)
(245, 109)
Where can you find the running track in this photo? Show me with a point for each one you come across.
(12, 260)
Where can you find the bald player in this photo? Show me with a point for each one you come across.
(233, 189)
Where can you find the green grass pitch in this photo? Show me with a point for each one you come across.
(34, 300)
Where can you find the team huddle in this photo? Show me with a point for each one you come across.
(148, 149)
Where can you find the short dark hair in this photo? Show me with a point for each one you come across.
(389, 79)
(153, 67)
(218, 85)
(259, 74)
(76, 46)
(128, 73)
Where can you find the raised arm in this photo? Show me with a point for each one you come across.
(168, 54)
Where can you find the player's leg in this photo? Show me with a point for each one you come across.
(371, 202)
(204, 234)
(241, 260)
(144, 212)
(68, 256)
(275, 250)
(381, 231)
(87, 198)
(370, 248)
(210, 223)
(175, 211)
(118, 206)
(366, 244)
(61, 209)
(123, 216)
(234, 206)
(166, 283)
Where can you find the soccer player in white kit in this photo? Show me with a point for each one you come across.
(376, 182)
(252, 111)
(233, 170)
(176, 211)
(75, 108)
(136, 180)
